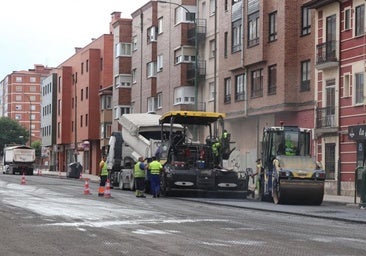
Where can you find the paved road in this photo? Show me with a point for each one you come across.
(333, 207)
(52, 216)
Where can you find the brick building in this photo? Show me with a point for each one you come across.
(340, 72)
(254, 60)
(79, 81)
(21, 98)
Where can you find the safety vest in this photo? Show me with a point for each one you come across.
(104, 171)
(138, 172)
(155, 167)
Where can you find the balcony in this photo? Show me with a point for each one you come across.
(326, 55)
(199, 28)
(201, 70)
(326, 120)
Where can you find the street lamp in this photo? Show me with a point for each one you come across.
(30, 120)
(195, 49)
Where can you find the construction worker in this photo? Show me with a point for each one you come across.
(258, 176)
(155, 169)
(216, 146)
(103, 174)
(139, 174)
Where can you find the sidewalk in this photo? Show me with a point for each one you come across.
(346, 200)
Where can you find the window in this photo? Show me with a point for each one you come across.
(212, 91)
(347, 19)
(257, 83)
(123, 49)
(134, 43)
(185, 54)
(212, 49)
(151, 69)
(184, 95)
(18, 107)
(81, 120)
(120, 110)
(106, 102)
(305, 76)
(305, 21)
(359, 88)
(227, 85)
(86, 120)
(273, 26)
(239, 87)
(134, 76)
(160, 25)
(160, 100)
(81, 94)
(253, 29)
(105, 130)
(122, 80)
(212, 7)
(18, 116)
(151, 34)
(181, 14)
(82, 67)
(272, 79)
(18, 79)
(152, 104)
(226, 35)
(18, 98)
(160, 63)
(18, 88)
(236, 35)
(32, 79)
(346, 85)
(360, 20)
(87, 66)
(330, 160)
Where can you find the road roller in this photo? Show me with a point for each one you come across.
(290, 175)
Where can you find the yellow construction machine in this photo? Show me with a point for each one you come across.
(290, 175)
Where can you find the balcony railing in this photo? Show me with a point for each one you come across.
(199, 31)
(326, 52)
(201, 70)
(326, 117)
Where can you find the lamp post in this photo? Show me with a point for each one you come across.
(195, 50)
(30, 120)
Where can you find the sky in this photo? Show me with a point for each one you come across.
(47, 32)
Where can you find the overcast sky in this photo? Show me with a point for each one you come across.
(46, 32)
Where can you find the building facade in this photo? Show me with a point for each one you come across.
(21, 98)
(79, 82)
(250, 59)
(340, 71)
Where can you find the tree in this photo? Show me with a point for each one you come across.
(38, 147)
(11, 132)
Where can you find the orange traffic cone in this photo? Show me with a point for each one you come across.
(23, 180)
(107, 193)
(101, 191)
(86, 187)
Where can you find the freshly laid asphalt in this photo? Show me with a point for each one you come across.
(334, 207)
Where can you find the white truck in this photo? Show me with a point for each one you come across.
(140, 136)
(19, 159)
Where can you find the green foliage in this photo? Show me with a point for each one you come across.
(38, 147)
(11, 132)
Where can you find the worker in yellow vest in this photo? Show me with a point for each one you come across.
(103, 173)
(155, 168)
(139, 174)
